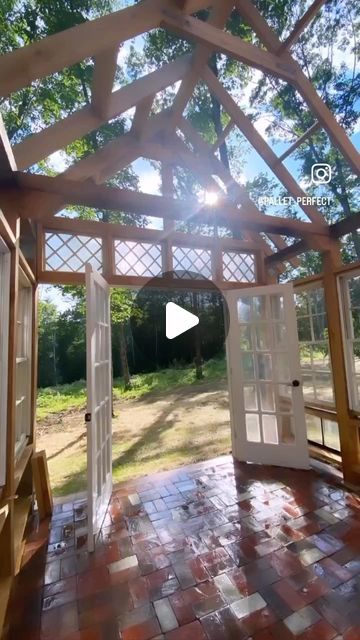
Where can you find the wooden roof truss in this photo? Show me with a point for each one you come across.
(167, 137)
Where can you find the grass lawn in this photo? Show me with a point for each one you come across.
(64, 397)
(167, 419)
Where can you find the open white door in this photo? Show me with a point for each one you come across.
(266, 399)
(99, 403)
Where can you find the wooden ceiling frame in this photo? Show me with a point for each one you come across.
(304, 86)
(86, 193)
(260, 145)
(101, 40)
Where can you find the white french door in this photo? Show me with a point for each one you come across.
(266, 399)
(99, 401)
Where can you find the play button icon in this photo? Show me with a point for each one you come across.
(178, 320)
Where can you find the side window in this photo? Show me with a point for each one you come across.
(23, 364)
(4, 341)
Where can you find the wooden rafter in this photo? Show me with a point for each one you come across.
(141, 115)
(287, 253)
(223, 135)
(199, 31)
(7, 159)
(346, 225)
(301, 24)
(21, 67)
(319, 109)
(103, 80)
(217, 18)
(301, 139)
(238, 193)
(259, 144)
(41, 145)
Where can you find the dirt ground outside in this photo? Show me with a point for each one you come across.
(156, 432)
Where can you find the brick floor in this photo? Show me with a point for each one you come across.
(214, 551)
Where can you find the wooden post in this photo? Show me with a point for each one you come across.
(348, 426)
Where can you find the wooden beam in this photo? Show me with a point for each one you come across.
(103, 81)
(319, 109)
(260, 145)
(344, 226)
(217, 18)
(21, 67)
(40, 145)
(223, 135)
(286, 254)
(167, 189)
(88, 194)
(301, 139)
(199, 31)
(238, 192)
(301, 24)
(7, 160)
(137, 282)
(141, 115)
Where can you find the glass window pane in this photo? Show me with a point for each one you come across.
(302, 304)
(286, 429)
(245, 338)
(320, 327)
(244, 309)
(267, 398)
(281, 366)
(263, 336)
(331, 434)
(280, 336)
(355, 314)
(277, 307)
(259, 307)
(252, 427)
(313, 427)
(308, 385)
(324, 389)
(304, 329)
(247, 360)
(250, 397)
(264, 366)
(317, 301)
(270, 432)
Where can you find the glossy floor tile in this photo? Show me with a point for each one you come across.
(215, 551)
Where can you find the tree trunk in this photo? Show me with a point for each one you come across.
(216, 116)
(123, 358)
(197, 342)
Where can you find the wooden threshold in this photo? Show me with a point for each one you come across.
(21, 513)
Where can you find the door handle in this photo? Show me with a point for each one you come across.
(294, 383)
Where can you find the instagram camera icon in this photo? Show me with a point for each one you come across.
(320, 173)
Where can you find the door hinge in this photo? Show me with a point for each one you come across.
(87, 417)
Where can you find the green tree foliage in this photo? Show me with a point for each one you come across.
(48, 358)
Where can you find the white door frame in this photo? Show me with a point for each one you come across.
(283, 454)
(99, 401)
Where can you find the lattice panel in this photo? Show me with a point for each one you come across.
(67, 252)
(238, 267)
(192, 262)
(137, 258)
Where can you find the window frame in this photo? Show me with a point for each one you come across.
(347, 337)
(315, 402)
(5, 270)
(23, 364)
